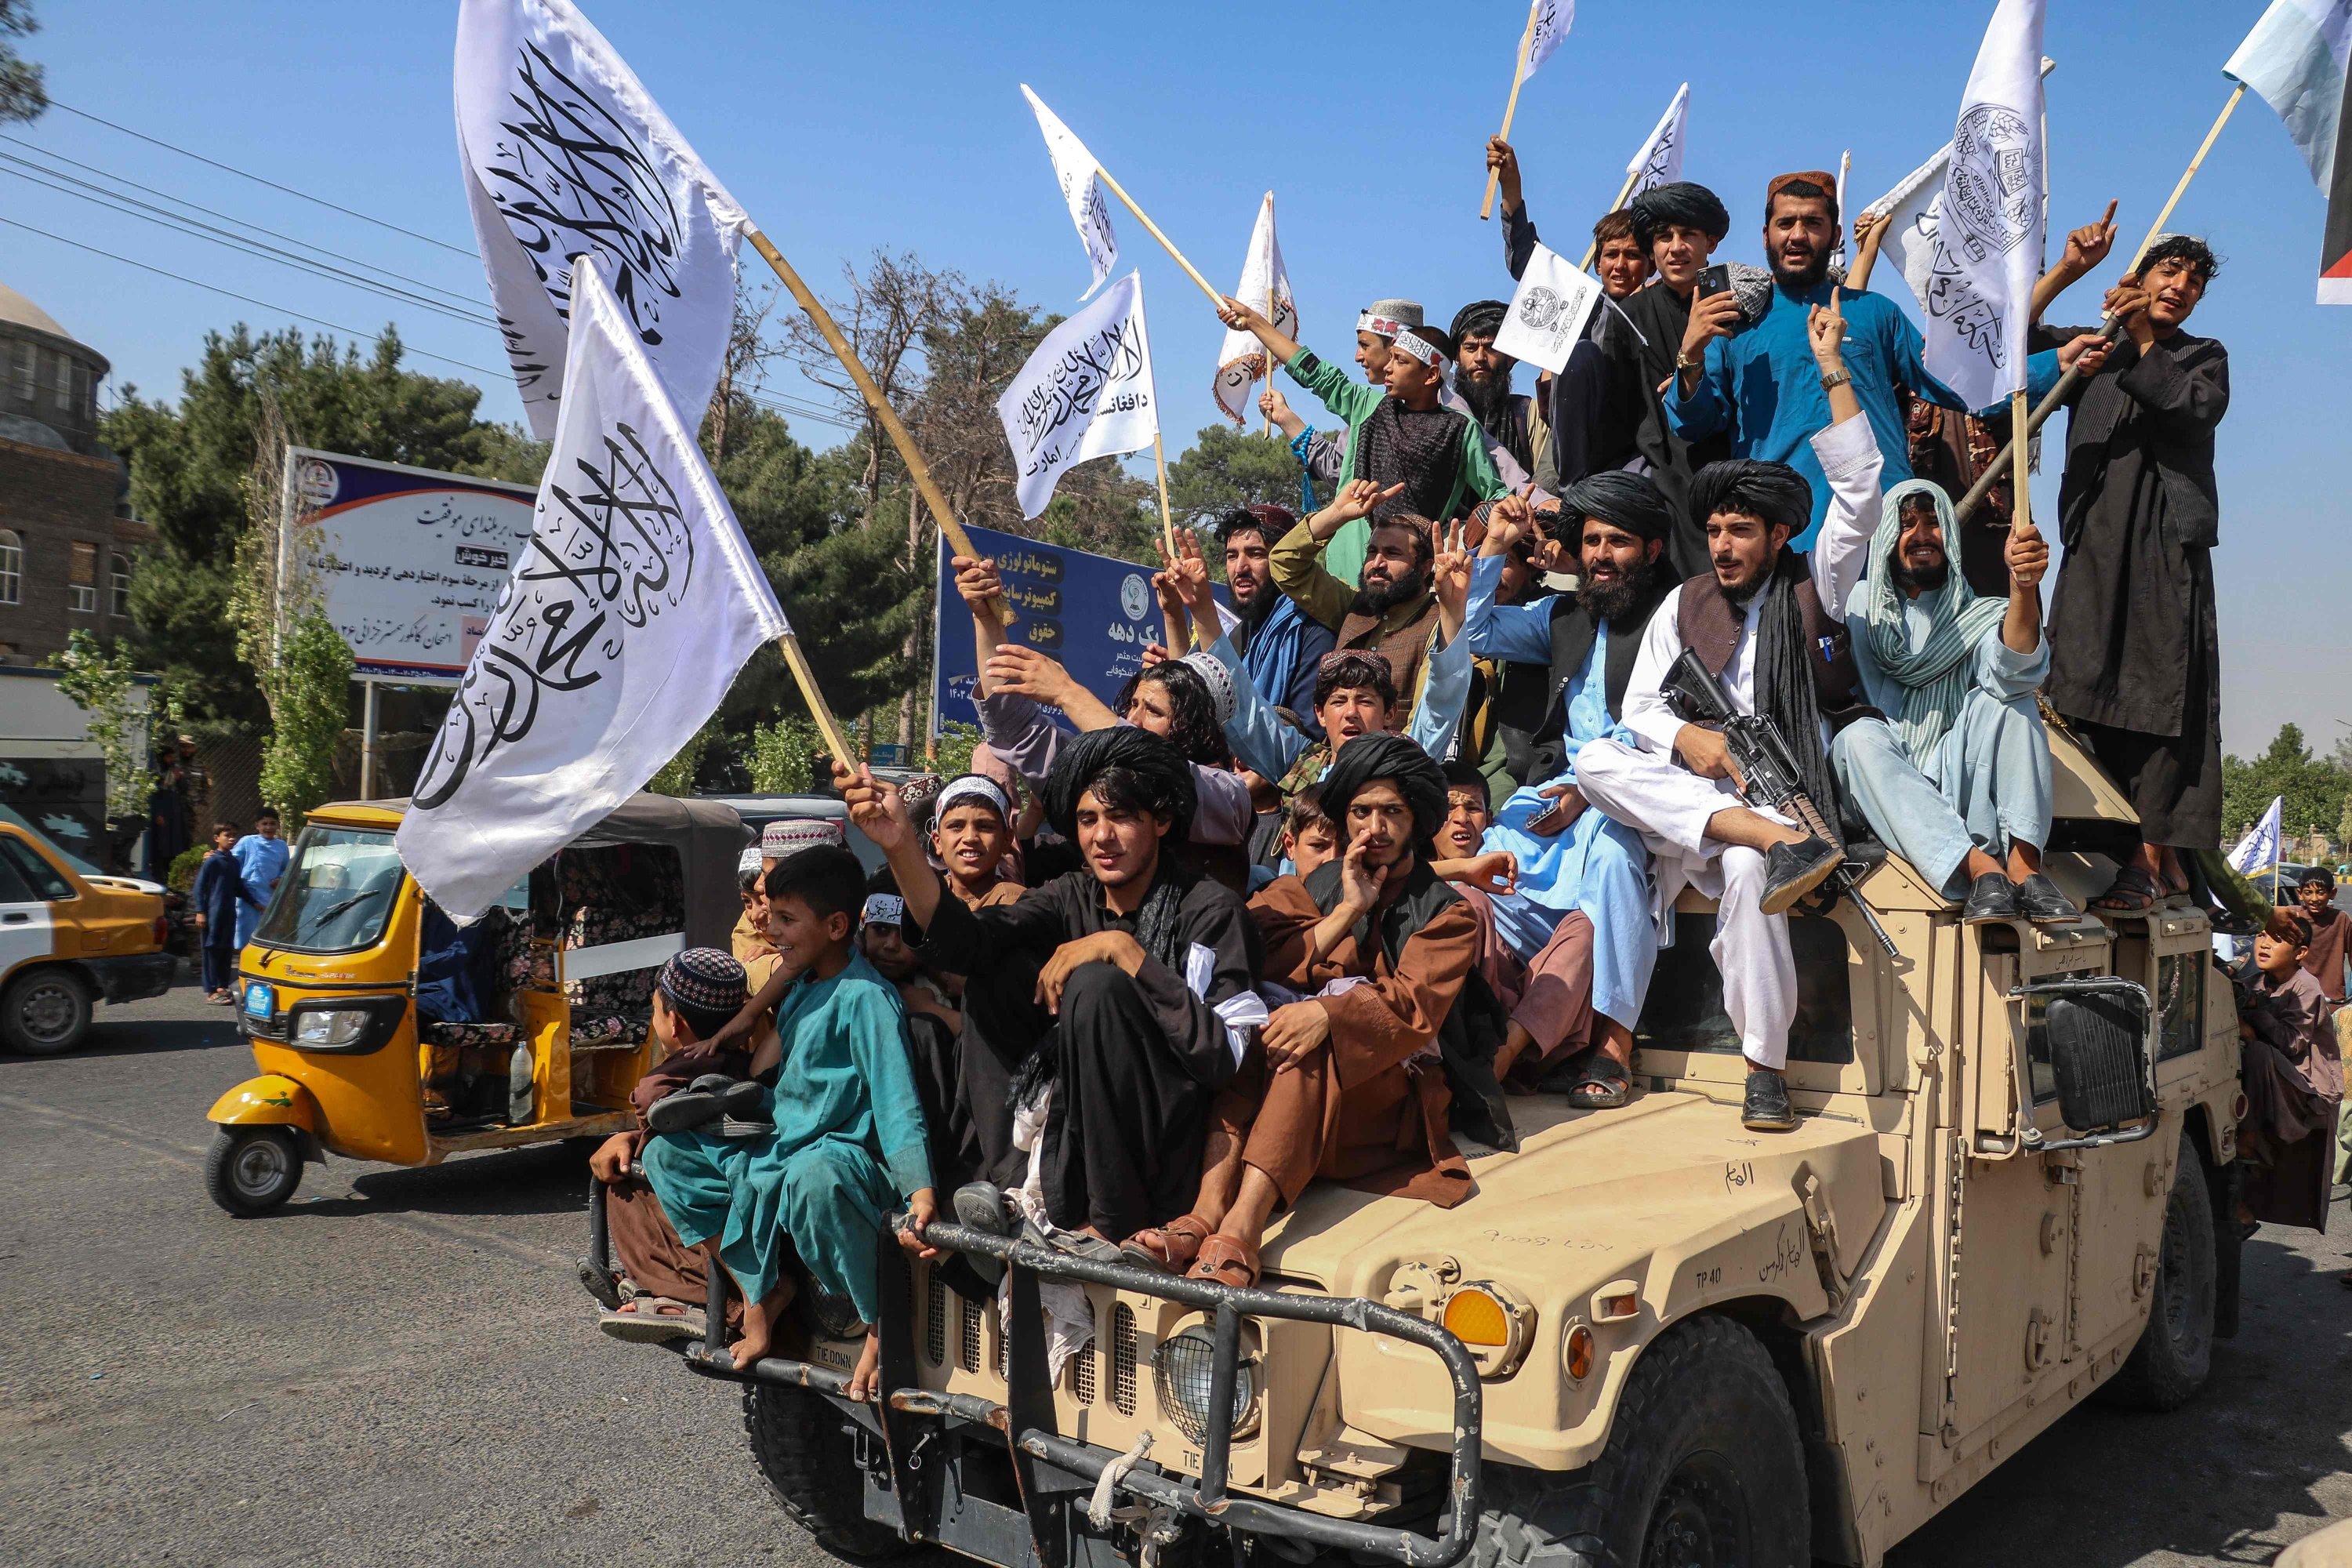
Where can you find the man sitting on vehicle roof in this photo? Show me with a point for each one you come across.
(1360, 1077)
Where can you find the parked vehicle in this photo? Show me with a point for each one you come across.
(327, 994)
(71, 936)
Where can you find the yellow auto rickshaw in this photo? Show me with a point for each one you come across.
(382, 1031)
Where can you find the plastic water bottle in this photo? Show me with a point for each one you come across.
(519, 1096)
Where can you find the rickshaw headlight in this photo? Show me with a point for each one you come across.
(353, 1026)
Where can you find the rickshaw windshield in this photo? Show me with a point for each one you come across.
(337, 892)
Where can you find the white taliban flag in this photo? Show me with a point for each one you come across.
(2259, 850)
(1548, 311)
(1074, 170)
(1553, 19)
(1913, 210)
(1989, 239)
(1264, 287)
(1660, 161)
(627, 619)
(1086, 393)
(2296, 59)
(565, 154)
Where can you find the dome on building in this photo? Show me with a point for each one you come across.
(15, 311)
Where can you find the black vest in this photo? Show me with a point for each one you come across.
(1710, 628)
(1534, 733)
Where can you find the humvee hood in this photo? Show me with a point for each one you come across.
(1590, 1193)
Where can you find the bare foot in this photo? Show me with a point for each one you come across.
(752, 1346)
(864, 1383)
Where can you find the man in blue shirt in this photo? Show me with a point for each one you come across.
(260, 861)
(1762, 385)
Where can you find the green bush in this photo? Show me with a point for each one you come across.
(182, 874)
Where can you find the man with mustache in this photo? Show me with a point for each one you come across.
(1764, 621)
(1280, 645)
(1392, 608)
(1760, 388)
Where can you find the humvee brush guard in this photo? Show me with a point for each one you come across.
(1651, 1336)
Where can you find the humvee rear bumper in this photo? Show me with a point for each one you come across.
(917, 1433)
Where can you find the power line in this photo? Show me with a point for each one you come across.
(214, 212)
(46, 180)
(250, 300)
(258, 180)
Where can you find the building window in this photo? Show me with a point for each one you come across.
(25, 372)
(62, 383)
(82, 580)
(117, 584)
(12, 566)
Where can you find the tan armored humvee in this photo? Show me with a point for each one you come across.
(1651, 1336)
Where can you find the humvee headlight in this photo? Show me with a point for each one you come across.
(1180, 1369)
(1492, 1321)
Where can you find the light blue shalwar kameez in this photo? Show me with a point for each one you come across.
(1596, 865)
(848, 1144)
(1985, 785)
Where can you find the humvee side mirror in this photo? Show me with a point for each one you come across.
(2092, 1037)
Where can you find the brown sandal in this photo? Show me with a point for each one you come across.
(1169, 1247)
(1225, 1261)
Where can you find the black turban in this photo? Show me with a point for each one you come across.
(1682, 205)
(1773, 491)
(1163, 779)
(1631, 501)
(1403, 764)
(1483, 317)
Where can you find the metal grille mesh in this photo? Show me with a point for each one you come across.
(935, 1321)
(1082, 1369)
(967, 1352)
(1122, 1358)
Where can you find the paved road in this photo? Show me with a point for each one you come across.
(399, 1369)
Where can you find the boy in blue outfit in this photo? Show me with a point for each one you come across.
(260, 860)
(214, 898)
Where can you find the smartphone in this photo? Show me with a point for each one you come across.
(1716, 279)
(1541, 822)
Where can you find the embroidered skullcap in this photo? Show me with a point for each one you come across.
(1819, 178)
(705, 979)
(1682, 205)
(791, 835)
(1403, 764)
(1482, 318)
(1631, 501)
(1387, 317)
(972, 787)
(1258, 516)
(918, 793)
(1165, 777)
(883, 909)
(1773, 491)
(748, 862)
(1222, 698)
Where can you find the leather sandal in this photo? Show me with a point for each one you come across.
(2133, 892)
(1169, 1247)
(1225, 1261)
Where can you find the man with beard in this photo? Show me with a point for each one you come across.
(1953, 771)
(1281, 646)
(1580, 915)
(2136, 654)
(1760, 387)
(1393, 609)
(1430, 460)
(1380, 955)
(1482, 378)
(1764, 620)
(1145, 983)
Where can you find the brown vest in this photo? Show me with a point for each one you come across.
(1404, 649)
(1710, 628)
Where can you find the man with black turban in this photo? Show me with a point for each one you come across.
(1143, 989)
(1588, 975)
(1342, 1082)
(1482, 379)
(1767, 623)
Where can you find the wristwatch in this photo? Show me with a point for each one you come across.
(1689, 361)
(1834, 378)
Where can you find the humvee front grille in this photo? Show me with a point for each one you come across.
(935, 1321)
(1082, 1373)
(1122, 1358)
(967, 1352)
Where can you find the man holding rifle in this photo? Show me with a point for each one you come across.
(1766, 623)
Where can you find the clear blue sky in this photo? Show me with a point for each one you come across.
(846, 127)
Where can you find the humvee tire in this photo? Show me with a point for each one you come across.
(1705, 1469)
(796, 1437)
(2175, 1352)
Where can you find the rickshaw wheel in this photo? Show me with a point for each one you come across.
(252, 1170)
(797, 1437)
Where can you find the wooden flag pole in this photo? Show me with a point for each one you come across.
(827, 725)
(1592, 251)
(1511, 105)
(1166, 244)
(2066, 384)
(1267, 351)
(1167, 518)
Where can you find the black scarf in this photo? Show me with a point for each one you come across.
(1784, 681)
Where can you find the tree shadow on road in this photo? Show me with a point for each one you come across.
(2227, 1478)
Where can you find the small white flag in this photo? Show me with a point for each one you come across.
(566, 154)
(1660, 161)
(2296, 60)
(1912, 211)
(627, 617)
(1074, 169)
(1553, 19)
(1988, 242)
(1266, 288)
(1548, 311)
(2259, 850)
(1086, 393)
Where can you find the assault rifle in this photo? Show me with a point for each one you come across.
(1766, 768)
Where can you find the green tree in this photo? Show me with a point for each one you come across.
(21, 94)
(100, 681)
(1225, 467)
(310, 694)
(2314, 792)
(192, 475)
